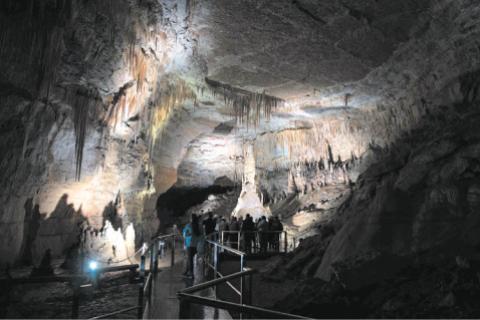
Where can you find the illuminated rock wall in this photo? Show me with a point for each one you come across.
(86, 89)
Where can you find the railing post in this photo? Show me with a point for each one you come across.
(242, 293)
(238, 240)
(159, 254)
(152, 253)
(215, 265)
(142, 265)
(215, 260)
(250, 289)
(285, 241)
(172, 261)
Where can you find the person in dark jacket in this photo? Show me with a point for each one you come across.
(263, 234)
(233, 236)
(247, 230)
(277, 227)
(209, 225)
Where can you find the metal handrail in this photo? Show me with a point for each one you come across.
(230, 284)
(214, 282)
(241, 308)
(239, 233)
(146, 281)
(227, 248)
(187, 294)
(216, 245)
(146, 288)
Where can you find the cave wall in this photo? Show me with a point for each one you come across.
(86, 88)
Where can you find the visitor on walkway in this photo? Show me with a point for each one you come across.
(277, 227)
(192, 236)
(271, 234)
(233, 235)
(248, 233)
(263, 234)
(220, 227)
(209, 226)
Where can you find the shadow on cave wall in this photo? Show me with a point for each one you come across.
(31, 224)
(61, 232)
(110, 213)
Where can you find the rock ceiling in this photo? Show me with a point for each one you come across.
(294, 48)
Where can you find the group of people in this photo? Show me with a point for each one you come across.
(244, 233)
(262, 231)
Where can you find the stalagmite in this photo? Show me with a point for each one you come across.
(249, 202)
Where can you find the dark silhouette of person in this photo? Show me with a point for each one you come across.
(271, 234)
(248, 229)
(277, 227)
(209, 225)
(234, 226)
(263, 234)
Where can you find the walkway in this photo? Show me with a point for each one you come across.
(164, 303)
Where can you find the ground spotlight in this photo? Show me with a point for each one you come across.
(92, 265)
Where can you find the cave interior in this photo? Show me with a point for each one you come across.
(352, 122)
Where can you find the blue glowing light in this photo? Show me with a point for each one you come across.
(93, 265)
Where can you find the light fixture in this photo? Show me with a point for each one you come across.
(92, 265)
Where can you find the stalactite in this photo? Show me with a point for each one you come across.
(83, 101)
(247, 107)
(171, 95)
(80, 121)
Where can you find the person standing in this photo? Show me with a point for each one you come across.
(192, 235)
(209, 226)
(248, 232)
(220, 227)
(277, 227)
(263, 234)
(233, 236)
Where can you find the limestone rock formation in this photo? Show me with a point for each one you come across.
(249, 202)
(120, 118)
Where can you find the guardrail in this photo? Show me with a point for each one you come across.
(154, 250)
(244, 308)
(212, 261)
(273, 240)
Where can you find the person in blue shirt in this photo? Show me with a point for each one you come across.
(192, 236)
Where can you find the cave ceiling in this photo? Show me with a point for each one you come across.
(293, 49)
